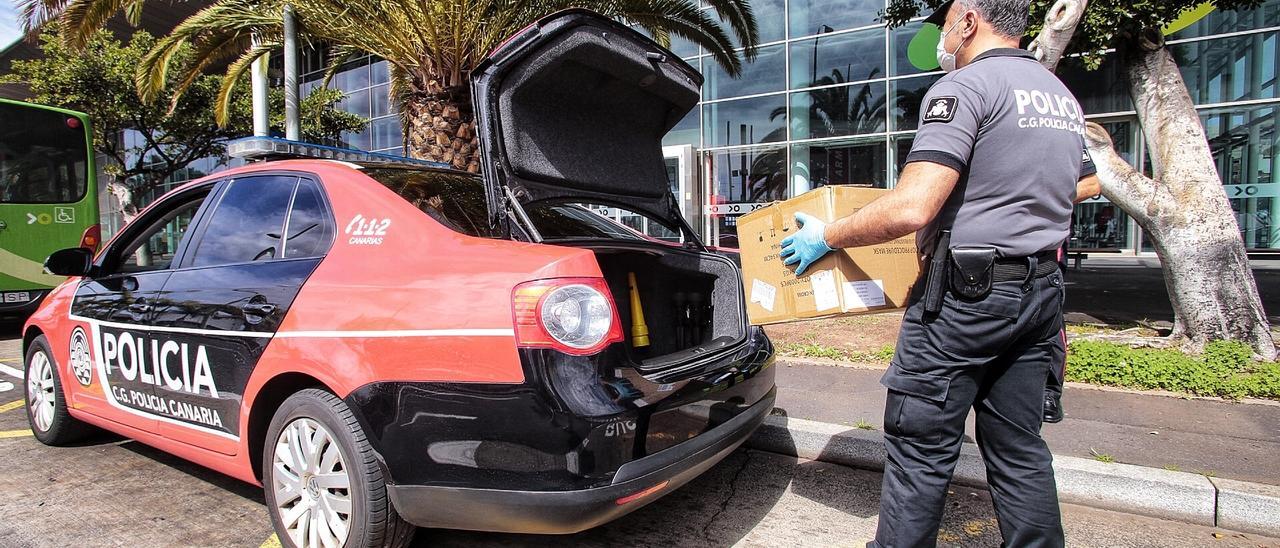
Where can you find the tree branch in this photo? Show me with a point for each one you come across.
(1060, 24)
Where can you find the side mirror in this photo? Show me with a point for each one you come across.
(76, 261)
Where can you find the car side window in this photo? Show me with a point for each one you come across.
(155, 248)
(247, 222)
(309, 227)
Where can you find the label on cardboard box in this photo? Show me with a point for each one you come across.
(849, 281)
(867, 294)
(825, 295)
(764, 294)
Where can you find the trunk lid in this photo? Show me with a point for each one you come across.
(574, 108)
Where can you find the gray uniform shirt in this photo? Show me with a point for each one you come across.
(1016, 135)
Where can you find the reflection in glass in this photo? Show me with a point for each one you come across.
(379, 101)
(846, 110)
(808, 16)
(908, 95)
(744, 176)
(1099, 225)
(862, 163)
(745, 121)
(763, 75)
(901, 149)
(770, 18)
(386, 133)
(1243, 144)
(851, 57)
(1224, 21)
(356, 102)
(1229, 69)
(1099, 91)
(899, 39)
(685, 132)
(380, 73)
(353, 76)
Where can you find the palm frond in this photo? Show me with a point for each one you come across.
(215, 33)
(81, 18)
(222, 106)
(35, 13)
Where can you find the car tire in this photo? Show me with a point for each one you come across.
(46, 401)
(304, 483)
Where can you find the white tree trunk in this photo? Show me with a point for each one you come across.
(1183, 208)
(124, 196)
(1059, 26)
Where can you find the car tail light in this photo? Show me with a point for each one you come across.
(91, 238)
(572, 315)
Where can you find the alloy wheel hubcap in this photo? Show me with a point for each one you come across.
(40, 394)
(311, 485)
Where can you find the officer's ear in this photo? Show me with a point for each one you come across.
(969, 26)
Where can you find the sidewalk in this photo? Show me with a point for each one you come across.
(1221, 439)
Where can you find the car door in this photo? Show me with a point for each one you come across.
(262, 238)
(116, 307)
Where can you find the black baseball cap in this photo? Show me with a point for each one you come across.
(940, 15)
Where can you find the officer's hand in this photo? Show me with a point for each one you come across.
(808, 245)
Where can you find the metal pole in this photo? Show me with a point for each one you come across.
(258, 73)
(292, 121)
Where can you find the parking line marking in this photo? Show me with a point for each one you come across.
(14, 434)
(272, 542)
(10, 371)
(11, 406)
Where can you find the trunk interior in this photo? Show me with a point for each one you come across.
(691, 302)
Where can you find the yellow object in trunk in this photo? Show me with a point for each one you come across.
(639, 330)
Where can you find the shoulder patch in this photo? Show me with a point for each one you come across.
(941, 109)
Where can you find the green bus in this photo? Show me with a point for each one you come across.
(48, 198)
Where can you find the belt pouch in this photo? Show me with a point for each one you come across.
(971, 271)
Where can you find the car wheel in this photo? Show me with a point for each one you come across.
(47, 413)
(323, 485)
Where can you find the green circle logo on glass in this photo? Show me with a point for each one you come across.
(922, 51)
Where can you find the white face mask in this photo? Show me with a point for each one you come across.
(947, 59)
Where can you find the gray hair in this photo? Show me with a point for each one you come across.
(1007, 17)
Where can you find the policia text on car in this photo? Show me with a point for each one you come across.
(989, 186)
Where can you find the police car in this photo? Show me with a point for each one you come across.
(387, 345)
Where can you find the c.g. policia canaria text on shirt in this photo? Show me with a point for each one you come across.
(1055, 111)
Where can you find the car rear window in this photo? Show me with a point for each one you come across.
(455, 200)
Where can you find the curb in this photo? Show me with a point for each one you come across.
(1193, 498)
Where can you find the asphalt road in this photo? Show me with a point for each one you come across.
(113, 491)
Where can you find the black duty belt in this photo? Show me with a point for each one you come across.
(1014, 269)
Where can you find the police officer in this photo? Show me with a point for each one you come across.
(989, 187)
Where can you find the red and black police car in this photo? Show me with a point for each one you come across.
(389, 345)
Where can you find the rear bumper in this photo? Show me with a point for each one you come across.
(561, 512)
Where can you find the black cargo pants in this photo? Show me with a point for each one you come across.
(993, 356)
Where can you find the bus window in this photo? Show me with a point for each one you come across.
(42, 156)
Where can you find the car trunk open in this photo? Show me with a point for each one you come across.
(691, 301)
(573, 110)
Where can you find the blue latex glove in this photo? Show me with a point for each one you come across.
(808, 245)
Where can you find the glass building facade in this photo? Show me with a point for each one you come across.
(832, 98)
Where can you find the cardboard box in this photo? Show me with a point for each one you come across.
(847, 282)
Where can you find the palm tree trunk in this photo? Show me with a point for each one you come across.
(440, 127)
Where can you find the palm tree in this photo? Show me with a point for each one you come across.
(431, 46)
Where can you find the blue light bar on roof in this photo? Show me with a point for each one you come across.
(274, 148)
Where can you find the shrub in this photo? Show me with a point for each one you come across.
(1226, 369)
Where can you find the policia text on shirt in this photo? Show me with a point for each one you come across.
(989, 187)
